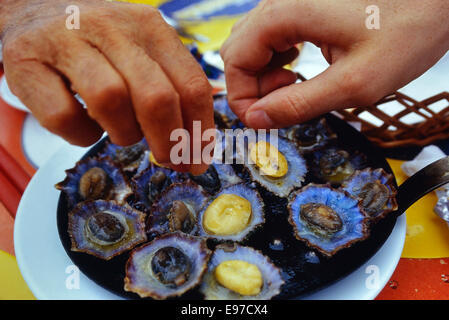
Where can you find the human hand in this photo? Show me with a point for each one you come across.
(366, 64)
(127, 64)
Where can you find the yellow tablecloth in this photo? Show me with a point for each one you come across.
(12, 285)
(427, 234)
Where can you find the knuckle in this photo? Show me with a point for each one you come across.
(154, 103)
(99, 17)
(17, 90)
(238, 24)
(148, 13)
(197, 88)
(14, 50)
(266, 6)
(223, 50)
(108, 98)
(57, 121)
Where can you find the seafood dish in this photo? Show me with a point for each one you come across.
(290, 201)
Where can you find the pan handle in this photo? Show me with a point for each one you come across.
(421, 183)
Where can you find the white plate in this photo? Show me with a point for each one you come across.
(36, 138)
(9, 97)
(14, 101)
(49, 272)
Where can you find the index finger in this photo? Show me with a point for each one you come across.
(190, 82)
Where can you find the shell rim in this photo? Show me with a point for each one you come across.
(258, 253)
(330, 136)
(134, 184)
(246, 232)
(389, 183)
(365, 230)
(252, 170)
(140, 221)
(132, 167)
(108, 160)
(184, 183)
(128, 285)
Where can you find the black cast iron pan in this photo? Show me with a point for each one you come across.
(302, 271)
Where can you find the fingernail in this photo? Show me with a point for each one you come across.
(259, 119)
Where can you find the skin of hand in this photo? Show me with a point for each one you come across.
(365, 64)
(127, 64)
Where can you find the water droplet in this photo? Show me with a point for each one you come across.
(445, 278)
(276, 245)
(393, 284)
(311, 257)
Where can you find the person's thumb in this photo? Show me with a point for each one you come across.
(342, 85)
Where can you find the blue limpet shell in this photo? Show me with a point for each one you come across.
(383, 191)
(161, 218)
(129, 157)
(129, 222)
(227, 175)
(353, 221)
(141, 278)
(217, 176)
(117, 186)
(310, 135)
(335, 165)
(141, 184)
(145, 163)
(282, 186)
(271, 275)
(257, 212)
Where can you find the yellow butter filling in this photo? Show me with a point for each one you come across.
(228, 214)
(239, 276)
(268, 159)
(154, 161)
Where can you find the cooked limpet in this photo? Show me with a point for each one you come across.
(241, 274)
(280, 169)
(177, 209)
(375, 190)
(232, 214)
(167, 266)
(327, 219)
(94, 179)
(105, 229)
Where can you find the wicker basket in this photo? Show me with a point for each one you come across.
(395, 130)
(387, 122)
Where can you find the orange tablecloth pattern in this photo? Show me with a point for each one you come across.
(418, 279)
